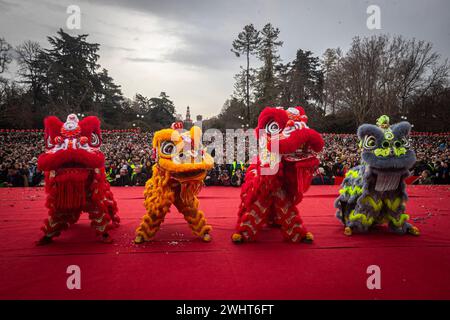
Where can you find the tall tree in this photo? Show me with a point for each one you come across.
(109, 98)
(141, 104)
(162, 111)
(283, 77)
(330, 64)
(380, 74)
(158, 112)
(306, 79)
(31, 62)
(419, 69)
(243, 80)
(268, 53)
(5, 55)
(246, 44)
(72, 65)
(228, 118)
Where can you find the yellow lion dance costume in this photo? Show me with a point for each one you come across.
(178, 174)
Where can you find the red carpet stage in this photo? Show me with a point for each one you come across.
(178, 266)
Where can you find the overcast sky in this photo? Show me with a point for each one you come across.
(183, 47)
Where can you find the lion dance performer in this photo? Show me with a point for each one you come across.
(75, 179)
(374, 192)
(178, 174)
(272, 197)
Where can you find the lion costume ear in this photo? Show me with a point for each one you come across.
(196, 136)
(401, 129)
(367, 129)
(52, 129)
(90, 128)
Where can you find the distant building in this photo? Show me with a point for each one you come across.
(188, 121)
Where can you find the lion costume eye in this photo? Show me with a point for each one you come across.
(95, 140)
(167, 148)
(406, 142)
(272, 127)
(49, 142)
(369, 142)
(385, 144)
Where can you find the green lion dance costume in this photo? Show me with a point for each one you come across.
(374, 192)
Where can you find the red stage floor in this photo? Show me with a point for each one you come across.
(178, 266)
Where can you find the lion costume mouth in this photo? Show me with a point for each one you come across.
(301, 154)
(71, 159)
(189, 175)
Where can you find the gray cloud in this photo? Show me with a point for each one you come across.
(146, 60)
(119, 48)
(7, 6)
(314, 25)
(201, 32)
(203, 51)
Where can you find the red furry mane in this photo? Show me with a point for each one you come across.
(85, 157)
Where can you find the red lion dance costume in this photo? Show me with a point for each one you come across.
(75, 179)
(271, 196)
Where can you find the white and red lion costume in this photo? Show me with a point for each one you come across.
(75, 179)
(272, 196)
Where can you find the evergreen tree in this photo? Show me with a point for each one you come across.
(109, 99)
(243, 78)
(162, 111)
(72, 77)
(246, 44)
(267, 92)
(283, 84)
(5, 55)
(306, 79)
(330, 66)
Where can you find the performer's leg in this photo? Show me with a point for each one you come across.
(255, 205)
(250, 221)
(288, 217)
(100, 219)
(366, 213)
(55, 224)
(195, 218)
(112, 209)
(150, 224)
(103, 198)
(394, 212)
(272, 218)
(158, 199)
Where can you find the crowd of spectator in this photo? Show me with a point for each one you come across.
(341, 154)
(129, 161)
